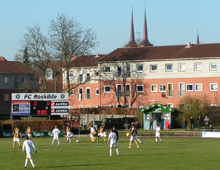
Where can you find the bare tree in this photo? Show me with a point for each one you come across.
(37, 48)
(68, 39)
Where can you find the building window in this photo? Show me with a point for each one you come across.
(169, 67)
(88, 95)
(87, 76)
(139, 68)
(118, 105)
(118, 71)
(198, 87)
(140, 88)
(107, 89)
(108, 106)
(70, 74)
(97, 91)
(118, 90)
(6, 97)
(213, 87)
(181, 106)
(153, 88)
(6, 80)
(49, 74)
(181, 67)
(127, 105)
(197, 66)
(88, 106)
(189, 87)
(213, 66)
(80, 106)
(22, 80)
(127, 90)
(169, 89)
(80, 78)
(170, 105)
(107, 69)
(153, 67)
(80, 94)
(162, 88)
(96, 73)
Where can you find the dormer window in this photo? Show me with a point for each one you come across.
(49, 74)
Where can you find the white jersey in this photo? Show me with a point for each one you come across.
(70, 134)
(157, 134)
(113, 137)
(27, 145)
(56, 132)
(92, 130)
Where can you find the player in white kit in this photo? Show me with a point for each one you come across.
(92, 134)
(157, 134)
(56, 133)
(27, 145)
(112, 138)
(69, 135)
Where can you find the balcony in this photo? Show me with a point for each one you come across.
(181, 93)
(169, 93)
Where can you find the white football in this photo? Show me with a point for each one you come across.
(77, 140)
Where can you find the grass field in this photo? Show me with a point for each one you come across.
(174, 153)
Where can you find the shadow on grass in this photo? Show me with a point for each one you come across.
(82, 165)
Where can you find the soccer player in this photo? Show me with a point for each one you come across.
(56, 133)
(133, 137)
(69, 136)
(157, 134)
(16, 138)
(112, 138)
(29, 132)
(116, 132)
(27, 145)
(92, 134)
(101, 133)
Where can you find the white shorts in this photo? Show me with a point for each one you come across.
(92, 137)
(102, 134)
(56, 138)
(69, 135)
(113, 144)
(157, 135)
(133, 138)
(16, 139)
(30, 136)
(29, 154)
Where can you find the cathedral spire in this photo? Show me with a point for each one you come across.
(145, 41)
(197, 37)
(132, 42)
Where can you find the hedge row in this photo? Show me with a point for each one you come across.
(36, 125)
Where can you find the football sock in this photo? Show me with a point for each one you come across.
(70, 140)
(104, 139)
(155, 139)
(161, 140)
(117, 151)
(110, 152)
(94, 140)
(136, 143)
(26, 162)
(32, 162)
(130, 144)
(58, 143)
(53, 142)
(13, 146)
(139, 140)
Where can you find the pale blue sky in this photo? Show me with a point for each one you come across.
(170, 22)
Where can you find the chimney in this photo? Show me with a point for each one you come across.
(188, 45)
(97, 55)
(73, 57)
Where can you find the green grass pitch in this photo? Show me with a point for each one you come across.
(174, 153)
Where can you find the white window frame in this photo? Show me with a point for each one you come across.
(87, 93)
(118, 105)
(198, 85)
(180, 66)
(140, 91)
(108, 106)
(196, 65)
(166, 65)
(189, 85)
(88, 106)
(96, 74)
(127, 105)
(71, 74)
(97, 89)
(160, 86)
(170, 105)
(80, 106)
(6, 79)
(213, 84)
(153, 85)
(211, 64)
(80, 93)
(107, 91)
(139, 69)
(71, 92)
(107, 70)
(51, 76)
(6, 97)
(151, 68)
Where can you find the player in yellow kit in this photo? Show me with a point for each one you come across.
(29, 132)
(16, 138)
(101, 133)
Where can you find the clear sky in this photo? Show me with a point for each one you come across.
(170, 22)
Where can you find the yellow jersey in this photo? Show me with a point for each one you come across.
(29, 131)
(16, 133)
(101, 130)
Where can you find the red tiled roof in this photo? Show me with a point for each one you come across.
(15, 67)
(2, 58)
(86, 61)
(163, 52)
